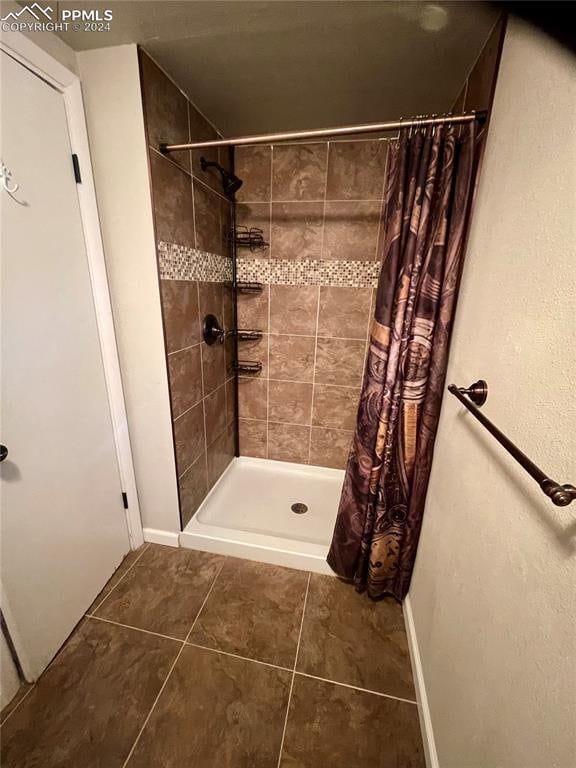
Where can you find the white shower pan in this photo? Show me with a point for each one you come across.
(249, 514)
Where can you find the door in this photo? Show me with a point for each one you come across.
(63, 528)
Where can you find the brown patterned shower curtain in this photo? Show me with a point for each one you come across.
(428, 193)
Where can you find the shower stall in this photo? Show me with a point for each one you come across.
(268, 260)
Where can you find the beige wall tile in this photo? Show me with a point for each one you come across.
(185, 376)
(207, 219)
(287, 442)
(292, 357)
(290, 402)
(330, 447)
(253, 439)
(339, 361)
(165, 110)
(351, 230)
(299, 171)
(253, 310)
(220, 454)
(189, 437)
(215, 414)
(172, 198)
(193, 486)
(356, 170)
(253, 166)
(335, 406)
(297, 230)
(252, 396)
(344, 312)
(180, 312)
(293, 309)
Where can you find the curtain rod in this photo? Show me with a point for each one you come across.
(272, 138)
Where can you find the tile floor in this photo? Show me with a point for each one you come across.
(193, 660)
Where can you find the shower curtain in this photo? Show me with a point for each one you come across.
(428, 193)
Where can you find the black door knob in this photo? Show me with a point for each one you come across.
(3, 452)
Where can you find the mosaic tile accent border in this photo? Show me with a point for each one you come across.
(339, 274)
(179, 262)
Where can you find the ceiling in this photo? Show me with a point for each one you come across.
(254, 67)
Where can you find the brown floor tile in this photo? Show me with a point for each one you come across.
(351, 639)
(216, 712)
(254, 610)
(330, 725)
(87, 708)
(118, 574)
(164, 590)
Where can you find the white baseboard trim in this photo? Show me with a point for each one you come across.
(421, 697)
(156, 536)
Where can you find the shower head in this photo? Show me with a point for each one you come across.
(230, 182)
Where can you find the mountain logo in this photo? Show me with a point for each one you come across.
(36, 10)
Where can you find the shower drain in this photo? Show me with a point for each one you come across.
(299, 508)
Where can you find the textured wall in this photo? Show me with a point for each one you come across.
(319, 205)
(192, 221)
(493, 591)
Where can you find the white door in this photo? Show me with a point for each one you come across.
(63, 526)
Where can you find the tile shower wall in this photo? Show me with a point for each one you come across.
(192, 227)
(320, 206)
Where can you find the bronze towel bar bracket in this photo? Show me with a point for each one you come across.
(475, 395)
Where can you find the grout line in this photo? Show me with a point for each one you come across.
(186, 639)
(357, 688)
(184, 642)
(318, 200)
(319, 292)
(298, 381)
(237, 656)
(144, 548)
(189, 467)
(180, 415)
(294, 670)
(17, 705)
(136, 629)
(125, 763)
(203, 397)
(269, 255)
(294, 424)
(175, 351)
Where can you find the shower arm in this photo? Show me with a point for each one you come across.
(348, 130)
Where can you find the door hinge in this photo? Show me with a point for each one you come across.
(125, 499)
(76, 165)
